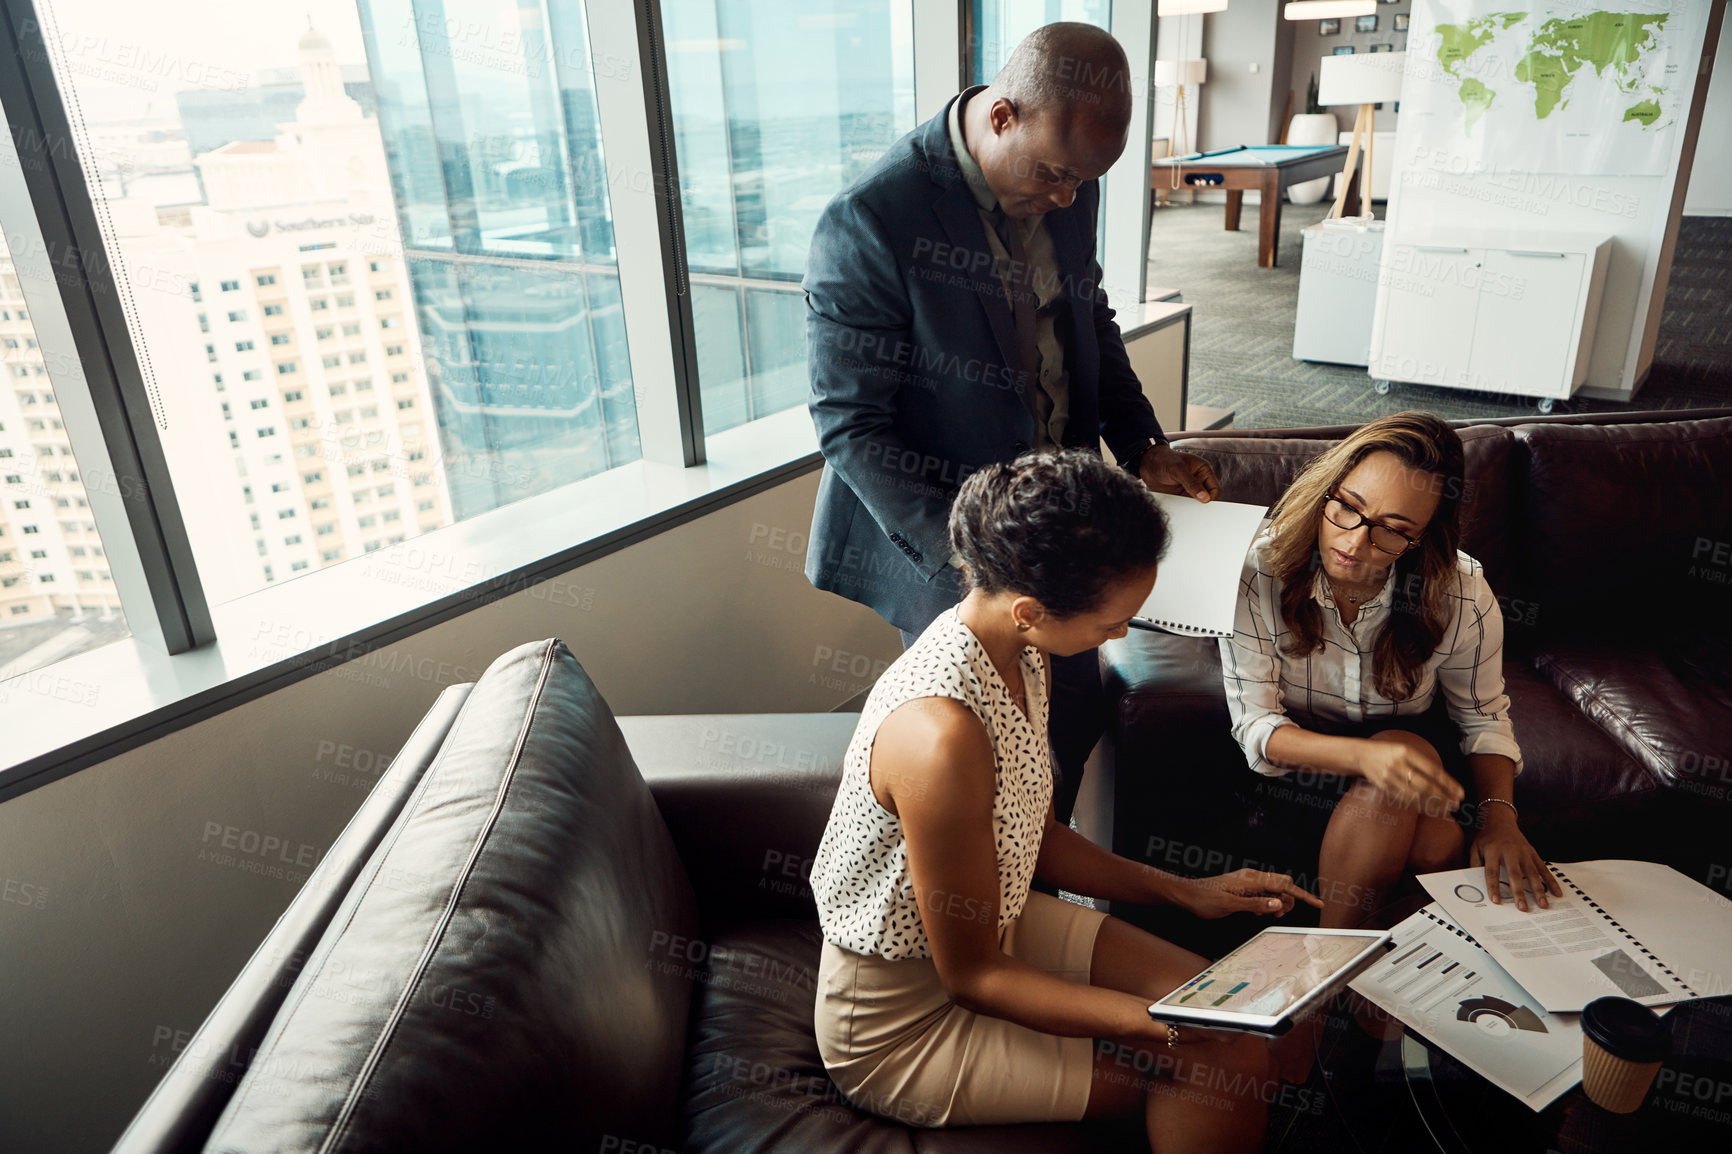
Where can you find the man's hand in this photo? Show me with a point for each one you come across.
(1166, 470)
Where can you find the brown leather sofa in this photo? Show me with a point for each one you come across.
(545, 930)
(1609, 545)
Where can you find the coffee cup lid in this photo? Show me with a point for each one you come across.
(1627, 1030)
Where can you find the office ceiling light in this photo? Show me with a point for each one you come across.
(1189, 7)
(1324, 9)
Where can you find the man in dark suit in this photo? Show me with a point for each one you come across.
(955, 318)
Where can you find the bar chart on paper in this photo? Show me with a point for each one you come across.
(1442, 985)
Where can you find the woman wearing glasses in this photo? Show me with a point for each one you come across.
(1357, 613)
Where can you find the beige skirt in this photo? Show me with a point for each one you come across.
(897, 1046)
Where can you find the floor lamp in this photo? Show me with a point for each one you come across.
(1364, 79)
(1180, 74)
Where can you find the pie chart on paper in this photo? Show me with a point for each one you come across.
(1498, 1017)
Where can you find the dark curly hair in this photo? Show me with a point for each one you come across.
(1056, 525)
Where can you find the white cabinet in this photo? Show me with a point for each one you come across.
(1337, 291)
(1498, 312)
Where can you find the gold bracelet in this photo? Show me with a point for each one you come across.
(1501, 801)
(1172, 1036)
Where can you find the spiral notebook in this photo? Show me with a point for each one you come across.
(1636, 929)
(1197, 589)
(1440, 983)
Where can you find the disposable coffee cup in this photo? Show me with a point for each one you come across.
(1623, 1046)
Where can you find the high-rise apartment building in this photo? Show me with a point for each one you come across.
(51, 560)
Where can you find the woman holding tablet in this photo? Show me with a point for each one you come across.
(949, 993)
(1356, 610)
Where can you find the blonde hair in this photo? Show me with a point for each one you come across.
(1425, 575)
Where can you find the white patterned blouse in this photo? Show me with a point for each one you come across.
(860, 876)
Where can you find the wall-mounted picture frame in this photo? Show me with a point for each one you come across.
(1381, 48)
(1341, 50)
(1401, 22)
(1365, 23)
(1328, 27)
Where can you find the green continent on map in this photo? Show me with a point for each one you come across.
(1461, 41)
(1477, 98)
(1606, 40)
(1647, 112)
(1458, 43)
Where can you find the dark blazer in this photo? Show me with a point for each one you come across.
(916, 377)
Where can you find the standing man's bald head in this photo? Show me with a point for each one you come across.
(1056, 116)
(1072, 70)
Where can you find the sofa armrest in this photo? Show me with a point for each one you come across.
(746, 797)
(180, 1113)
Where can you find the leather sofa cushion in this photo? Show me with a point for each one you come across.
(1257, 470)
(1580, 794)
(1656, 703)
(1629, 523)
(756, 1084)
(500, 976)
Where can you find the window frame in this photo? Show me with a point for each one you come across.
(187, 659)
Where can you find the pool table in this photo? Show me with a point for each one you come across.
(1269, 168)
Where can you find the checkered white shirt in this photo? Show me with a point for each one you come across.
(1336, 682)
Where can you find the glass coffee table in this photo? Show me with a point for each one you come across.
(1364, 1055)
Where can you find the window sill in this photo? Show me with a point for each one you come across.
(86, 708)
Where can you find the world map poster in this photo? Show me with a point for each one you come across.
(1559, 87)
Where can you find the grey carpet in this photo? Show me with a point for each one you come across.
(1242, 329)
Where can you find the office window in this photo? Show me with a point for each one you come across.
(777, 106)
(351, 330)
(284, 367)
(243, 346)
(65, 619)
(259, 403)
(281, 338)
(512, 272)
(252, 374)
(1000, 25)
(266, 279)
(238, 315)
(318, 304)
(230, 286)
(273, 310)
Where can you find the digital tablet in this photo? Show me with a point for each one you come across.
(1266, 984)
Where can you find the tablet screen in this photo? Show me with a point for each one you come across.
(1267, 974)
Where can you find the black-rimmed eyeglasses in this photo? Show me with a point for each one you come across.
(1383, 538)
